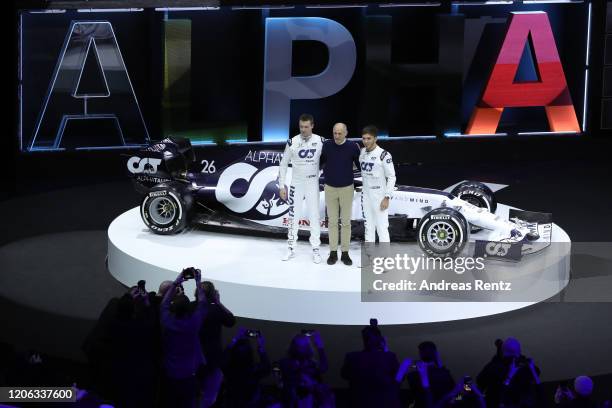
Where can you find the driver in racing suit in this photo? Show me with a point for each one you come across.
(378, 182)
(303, 152)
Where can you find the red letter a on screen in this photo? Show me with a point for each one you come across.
(550, 91)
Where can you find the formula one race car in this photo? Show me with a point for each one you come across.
(245, 195)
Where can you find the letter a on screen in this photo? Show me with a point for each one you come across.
(550, 90)
(114, 102)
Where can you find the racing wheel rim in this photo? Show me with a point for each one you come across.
(162, 210)
(441, 235)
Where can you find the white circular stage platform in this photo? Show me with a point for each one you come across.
(255, 283)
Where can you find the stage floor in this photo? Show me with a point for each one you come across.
(257, 284)
(55, 279)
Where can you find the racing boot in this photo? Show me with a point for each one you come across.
(289, 255)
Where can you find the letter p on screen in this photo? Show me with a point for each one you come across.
(280, 88)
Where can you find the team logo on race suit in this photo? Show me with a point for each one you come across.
(365, 166)
(138, 165)
(306, 153)
(250, 192)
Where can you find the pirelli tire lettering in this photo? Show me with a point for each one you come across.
(166, 209)
(475, 193)
(443, 232)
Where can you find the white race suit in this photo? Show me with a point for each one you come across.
(304, 156)
(378, 182)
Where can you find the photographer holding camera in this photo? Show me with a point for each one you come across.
(217, 317)
(242, 371)
(371, 372)
(513, 380)
(581, 397)
(122, 349)
(182, 353)
(302, 374)
(428, 379)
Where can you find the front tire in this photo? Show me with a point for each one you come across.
(165, 209)
(477, 194)
(443, 232)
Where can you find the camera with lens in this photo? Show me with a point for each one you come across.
(521, 361)
(190, 273)
(467, 383)
(253, 333)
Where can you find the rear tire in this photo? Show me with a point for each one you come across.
(165, 209)
(442, 233)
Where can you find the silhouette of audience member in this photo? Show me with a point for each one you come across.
(302, 374)
(243, 372)
(218, 315)
(563, 395)
(97, 349)
(8, 360)
(121, 350)
(608, 403)
(428, 379)
(371, 372)
(161, 292)
(583, 389)
(182, 353)
(132, 341)
(512, 380)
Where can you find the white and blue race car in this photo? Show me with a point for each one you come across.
(245, 195)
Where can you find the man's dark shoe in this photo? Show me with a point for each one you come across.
(333, 258)
(346, 259)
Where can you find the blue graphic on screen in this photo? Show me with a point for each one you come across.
(280, 88)
(106, 100)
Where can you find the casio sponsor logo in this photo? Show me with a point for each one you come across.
(137, 165)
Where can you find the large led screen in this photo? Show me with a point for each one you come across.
(95, 80)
